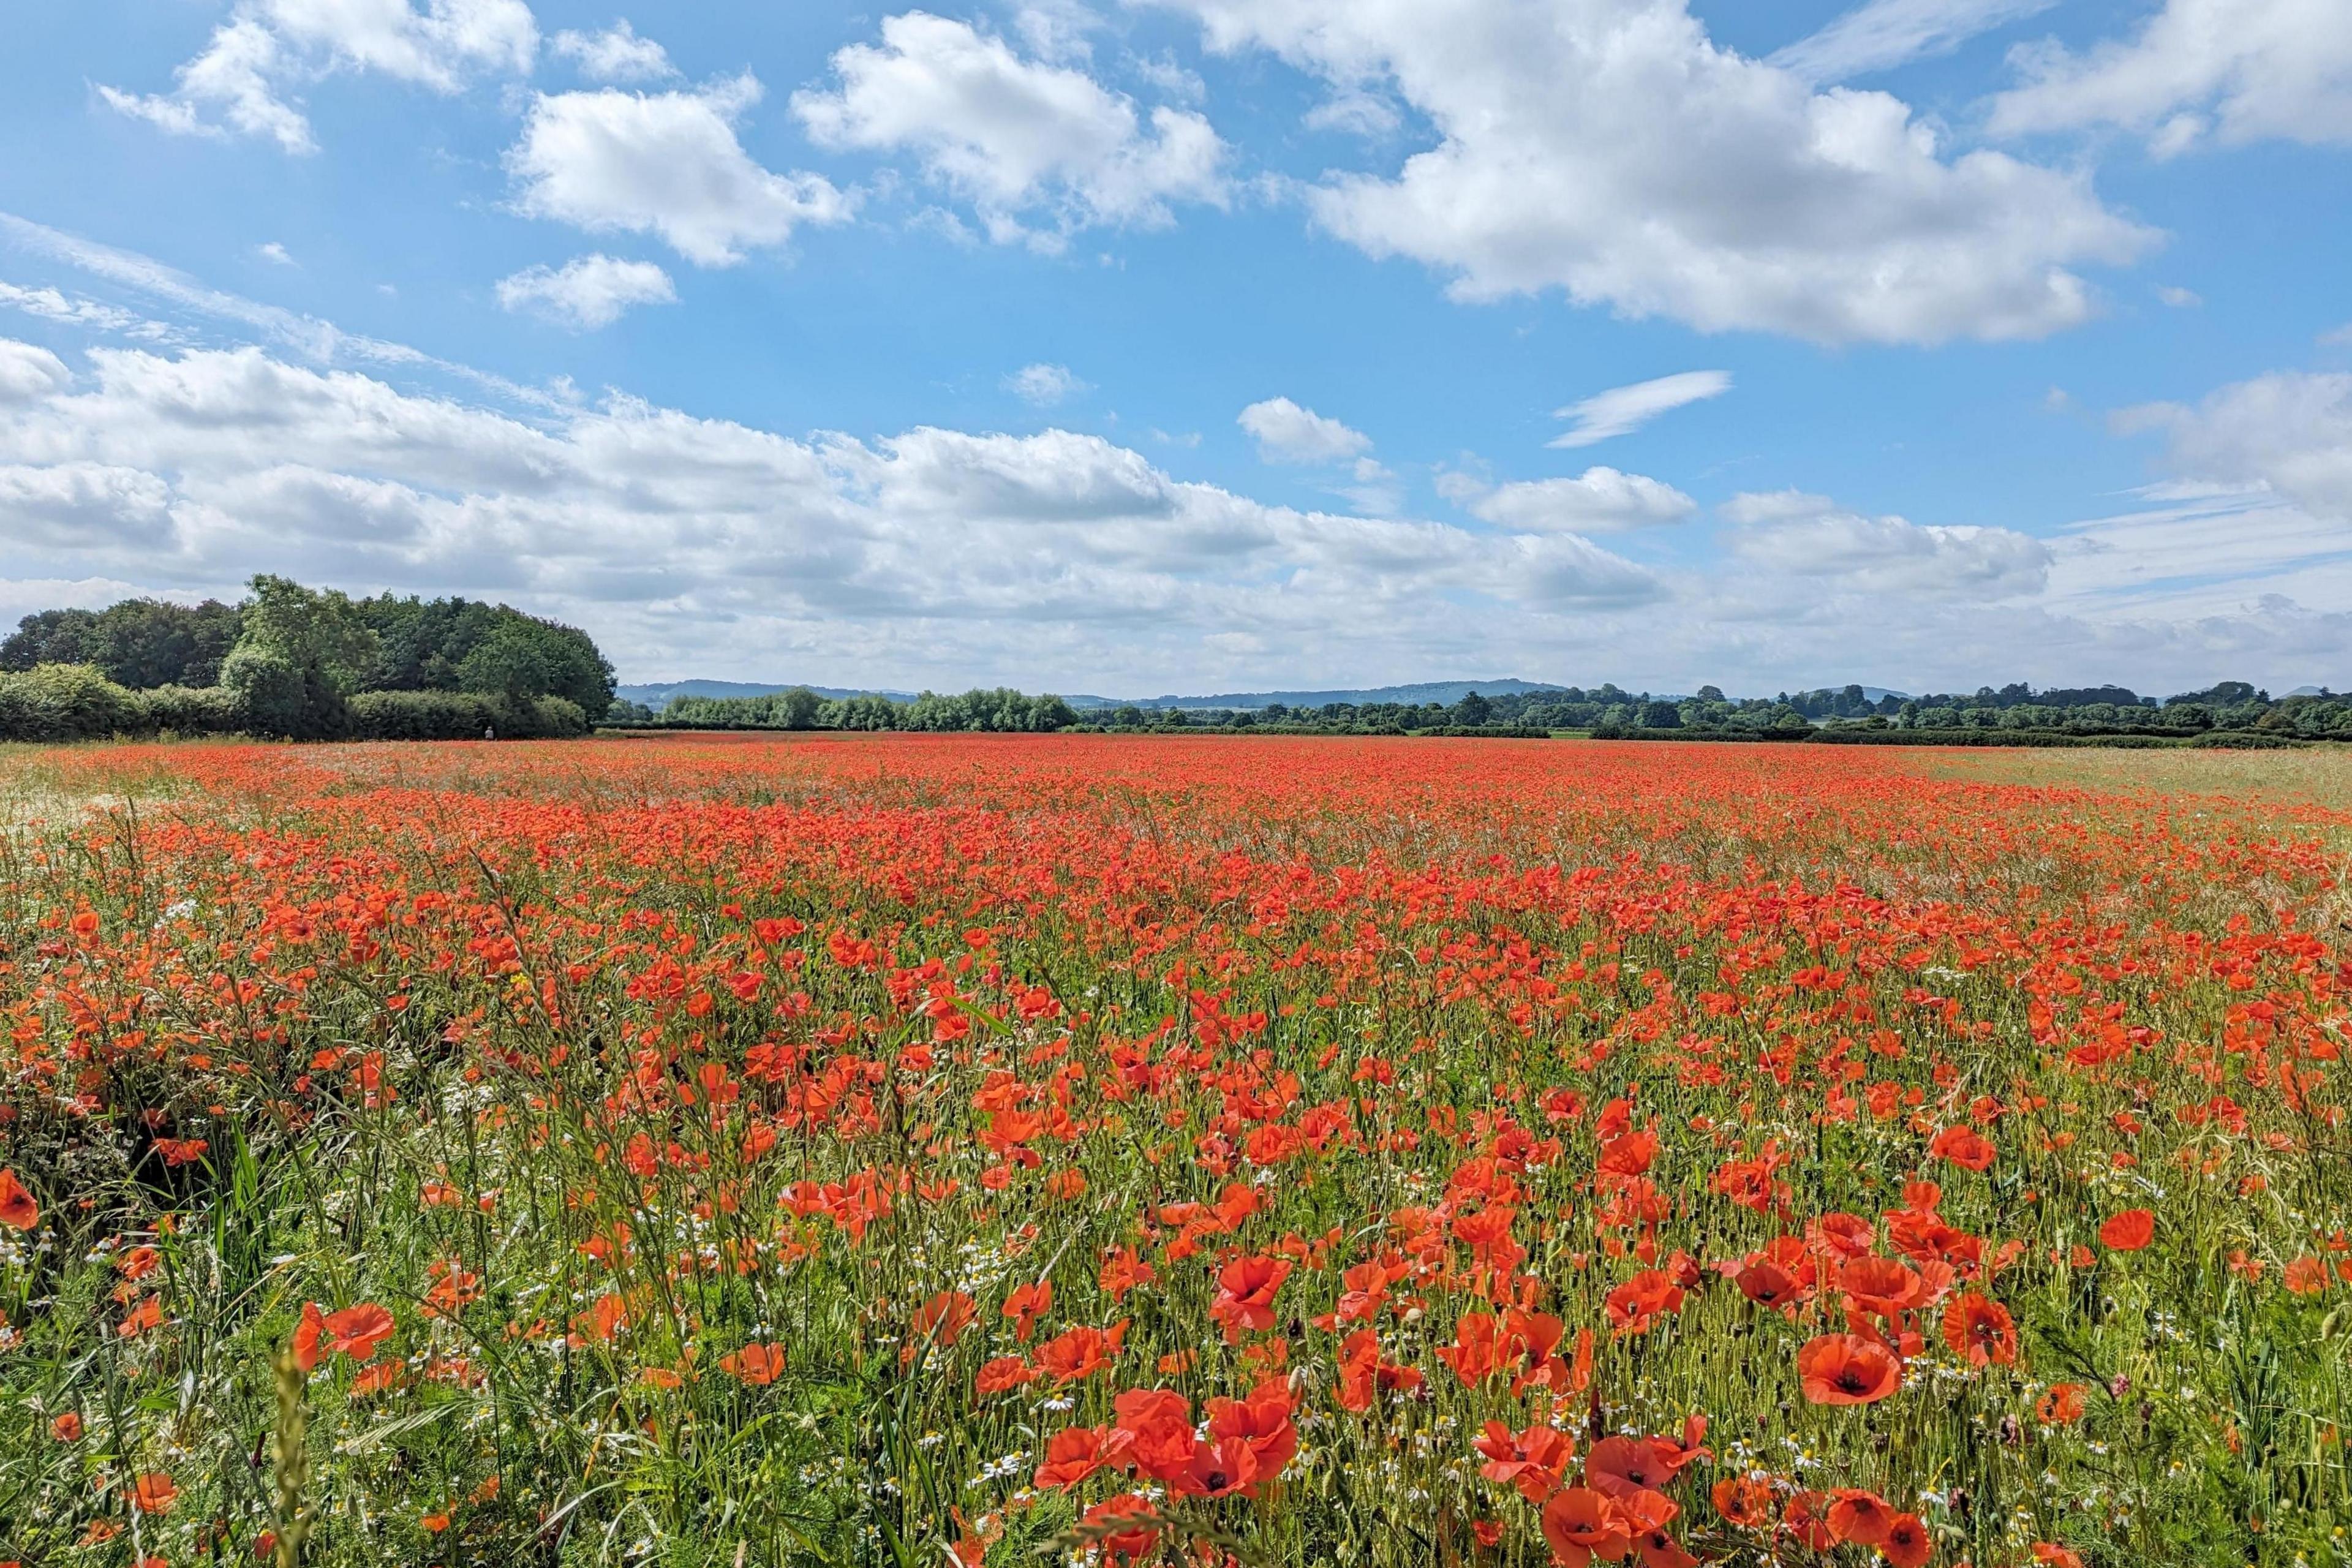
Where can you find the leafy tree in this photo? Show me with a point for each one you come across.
(49, 636)
(1473, 709)
(146, 643)
(301, 655)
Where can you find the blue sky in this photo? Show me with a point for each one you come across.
(1135, 348)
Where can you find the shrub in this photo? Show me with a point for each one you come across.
(462, 716)
(272, 696)
(191, 709)
(64, 703)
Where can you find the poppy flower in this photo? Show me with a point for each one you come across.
(1620, 1467)
(2129, 1231)
(1579, 1524)
(357, 1331)
(1003, 1376)
(756, 1364)
(1077, 1452)
(1245, 1291)
(2060, 1404)
(1963, 1146)
(2052, 1556)
(1531, 1461)
(1768, 1284)
(1126, 1527)
(1159, 1423)
(1859, 1515)
(1025, 1304)
(1848, 1369)
(17, 1209)
(1980, 1329)
(1743, 1501)
(153, 1492)
(1881, 1286)
(1907, 1544)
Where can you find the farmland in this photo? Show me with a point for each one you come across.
(943, 1149)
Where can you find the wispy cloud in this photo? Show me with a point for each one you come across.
(1884, 34)
(1623, 408)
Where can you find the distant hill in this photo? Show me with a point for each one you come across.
(1446, 692)
(653, 694)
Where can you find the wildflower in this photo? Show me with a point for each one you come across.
(2129, 1231)
(1980, 1329)
(153, 1492)
(17, 1209)
(755, 1364)
(1579, 1524)
(1906, 1543)
(1245, 1291)
(66, 1428)
(1848, 1369)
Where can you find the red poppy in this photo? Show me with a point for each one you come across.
(1848, 1369)
(1980, 1329)
(1126, 1526)
(1963, 1146)
(1579, 1524)
(756, 1364)
(17, 1209)
(1859, 1515)
(1159, 1423)
(1531, 1461)
(358, 1330)
(1907, 1544)
(1245, 1291)
(2129, 1231)
(2060, 1404)
(1077, 1452)
(1743, 1501)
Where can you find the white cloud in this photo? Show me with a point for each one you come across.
(1013, 136)
(2289, 433)
(1624, 409)
(28, 372)
(665, 531)
(274, 252)
(1610, 148)
(1599, 500)
(2339, 338)
(589, 291)
(1883, 34)
(616, 54)
(1042, 384)
(1810, 536)
(49, 304)
(237, 83)
(1287, 433)
(2232, 71)
(667, 164)
(2180, 299)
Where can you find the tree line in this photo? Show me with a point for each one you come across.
(300, 663)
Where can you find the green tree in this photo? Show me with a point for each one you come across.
(49, 636)
(146, 643)
(301, 655)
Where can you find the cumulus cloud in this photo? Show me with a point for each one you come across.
(1624, 409)
(1810, 536)
(616, 54)
(28, 372)
(197, 467)
(1287, 433)
(1599, 500)
(2288, 433)
(2231, 71)
(237, 85)
(1610, 148)
(1013, 136)
(1042, 384)
(1883, 34)
(588, 292)
(667, 164)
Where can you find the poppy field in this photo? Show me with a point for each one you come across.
(993, 1150)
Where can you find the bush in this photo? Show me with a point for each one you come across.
(272, 695)
(462, 716)
(191, 709)
(2248, 741)
(65, 703)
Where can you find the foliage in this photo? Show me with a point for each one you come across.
(64, 703)
(138, 643)
(462, 716)
(455, 644)
(713, 1152)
